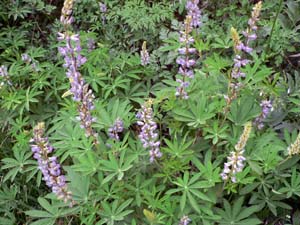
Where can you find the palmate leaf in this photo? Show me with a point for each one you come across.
(117, 166)
(189, 187)
(114, 211)
(197, 113)
(243, 110)
(236, 214)
(51, 213)
(19, 164)
(292, 188)
(115, 109)
(79, 185)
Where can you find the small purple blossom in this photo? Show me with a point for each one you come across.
(103, 10)
(49, 166)
(26, 58)
(102, 7)
(194, 12)
(185, 220)
(266, 109)
(118, 127)
(91, 44)
(148, 134)
(4, 75)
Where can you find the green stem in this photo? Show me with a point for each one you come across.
(273, 26)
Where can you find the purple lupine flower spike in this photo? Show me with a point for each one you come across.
(240, 46)
(103, 10)
(184, 61)
(185, 220)
(49, 166)
(194, 12)
(148, 134)
(118, 127)
(73, 60)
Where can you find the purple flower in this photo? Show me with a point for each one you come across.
(102, 7)
(266, 109)
(194, 12)
(234, 164)
(239, 46)
(49, 166)
(148, 134)
(103, 10)
(81, 92)
(91, 44)
(113, 131)
(184, 61)
(84, 108)
(26, 58)
(4, 75)
(73, 60)
(185, 220)
(235, 161)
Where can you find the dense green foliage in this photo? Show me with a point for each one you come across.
(114, 182)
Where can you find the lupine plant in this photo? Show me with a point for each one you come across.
(149, 112)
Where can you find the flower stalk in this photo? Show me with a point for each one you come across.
(149, 134)
(73, 60)
(235, 161)
(49, 166)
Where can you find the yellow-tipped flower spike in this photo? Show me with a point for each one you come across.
(66, 12)
(40, 126)
(235, 37)
(257, 9)
(187, 23)
(244, 137)
(294, 148)
(151, 217)
(144, 46)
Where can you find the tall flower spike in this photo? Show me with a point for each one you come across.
(145, 58)
(239, 46)
(235, 161)
(49, 166)
(294, 148)
(244, 137)
(184, 61)
(73, 60)
(194, 12)
(148, 134)
(103, 10)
